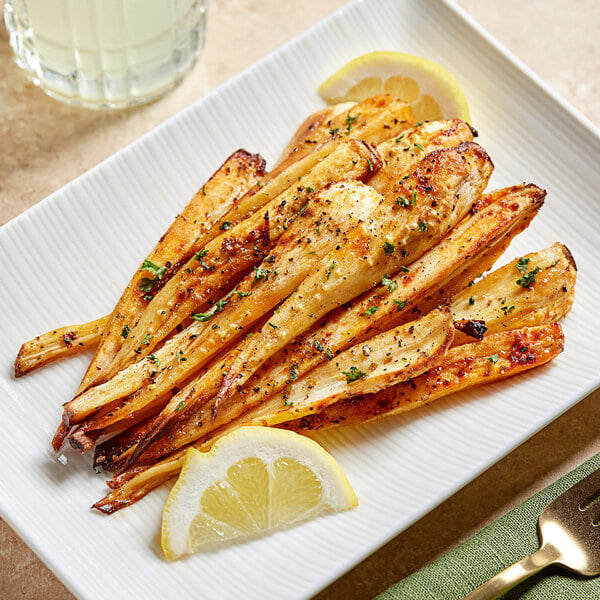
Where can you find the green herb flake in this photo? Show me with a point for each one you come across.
(422, 226)
(178, 355)
(329, 354)
(471, 301)
(293, 369)
(417, 145)
(388, 248)
(493, 358)
(146, 340)
(399, 138)
(528, 279)
(402, 201)
(273, 325)
(125, 332)
(389, 283)
(154, 359)
(404, 269)
(225, 225)
(180, 406)
(521, 265)
(329, 270)
(202, 317)
(309, 190)
(354, 374)
(350, 121)
(260, 274)
(413, 199)
(400, 304)
(371, 310)
(147, 283)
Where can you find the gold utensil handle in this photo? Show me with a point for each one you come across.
(511, 576)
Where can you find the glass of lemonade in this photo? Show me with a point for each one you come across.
(106, 53)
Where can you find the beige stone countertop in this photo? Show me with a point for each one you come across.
(44, 144)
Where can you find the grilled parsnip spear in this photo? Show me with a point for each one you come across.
(382, 361)
(498, 356)
(434, 198)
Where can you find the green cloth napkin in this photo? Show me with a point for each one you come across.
(496, 547)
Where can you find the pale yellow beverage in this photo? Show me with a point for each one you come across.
(106, 53)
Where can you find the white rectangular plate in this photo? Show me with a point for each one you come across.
(67, 259)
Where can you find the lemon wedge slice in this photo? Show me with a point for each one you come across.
(432, 92)
(253, 480)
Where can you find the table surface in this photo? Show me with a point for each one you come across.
(51, 143)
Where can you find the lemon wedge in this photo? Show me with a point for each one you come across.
(432, 92)
(253, 480)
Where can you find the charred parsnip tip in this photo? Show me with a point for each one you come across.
(58, 343)
(324, 222)
(190, 231)
(382, 361)
(499, 356)
(438, 194)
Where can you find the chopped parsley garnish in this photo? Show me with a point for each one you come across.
(419, 123)
(400, 304)
(260, 184)
(371, 310)
(389, 283)
(204, 190)
(147, 283)
(240, 294)
(350, 121)
(293, 368)
(287, 403)
(399, 138)
(402, 201)
(329, 354)
(225, 225)
(493, 358)
(419, 146)
(309, 190)
(125, 332)
(329, 270)
(404, 269)
(199, 256)
(422, 226)
(180, 406)
(220, 305)
(370, 164)
(273, 325)
(507, 309)
(178, 356)
(471, 301)
(202, 317)
(260, 274)
(154, 359)
(388, 248)
(334, 131)
(413, 199)
(528, 279)
(521, 265)
(146, 340)
(354, 374)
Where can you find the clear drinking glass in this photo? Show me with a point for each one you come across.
(106, 53)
